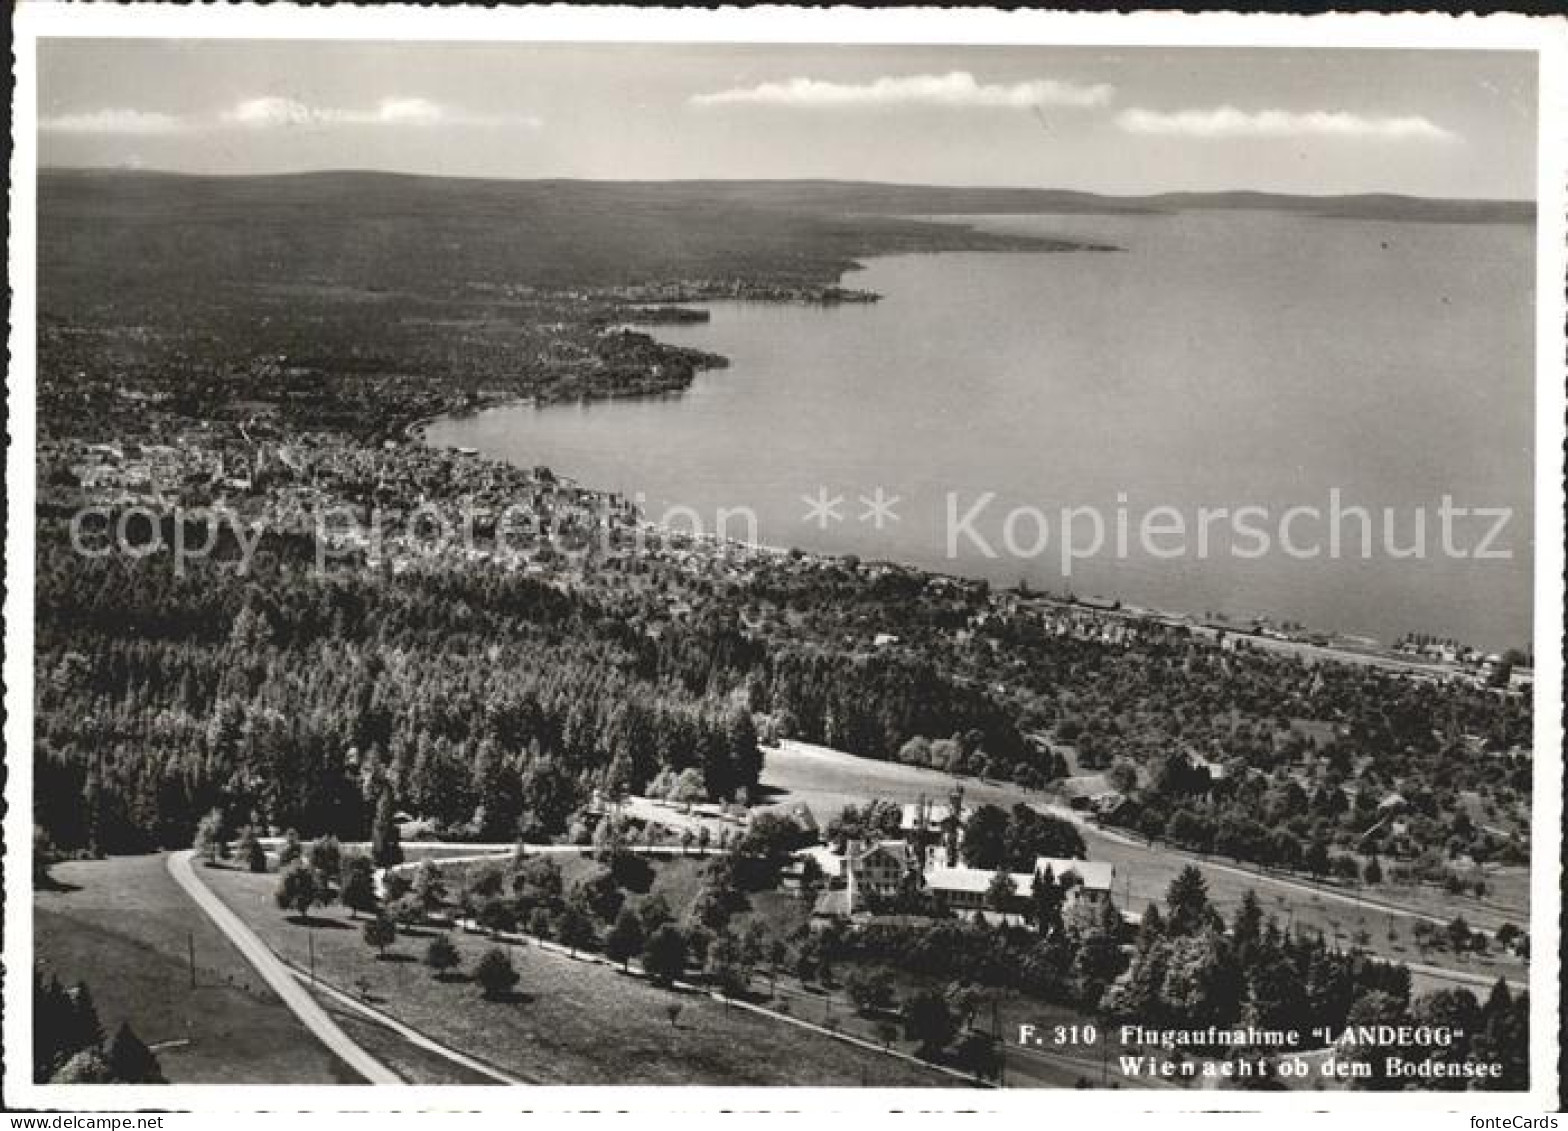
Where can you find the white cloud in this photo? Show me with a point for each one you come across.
(1229, 122)
(113, 121)
(264, 113)
(272, 112)
(956, 89)
(414, 111)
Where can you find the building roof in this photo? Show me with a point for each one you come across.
(938, 813)
(831, 863)
(1096, 875)
(972, 880)
(896, 849)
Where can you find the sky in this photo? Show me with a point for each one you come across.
(1115, 120)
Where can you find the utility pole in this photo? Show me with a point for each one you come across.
(310, 940)
(190, 946)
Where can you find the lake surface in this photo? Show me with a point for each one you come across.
(1221, 360)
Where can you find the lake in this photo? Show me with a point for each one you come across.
(1222, 359)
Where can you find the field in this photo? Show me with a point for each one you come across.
(827, 780)
(571, 1022)
(122, 926)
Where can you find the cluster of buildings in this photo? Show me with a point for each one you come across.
(868, 875)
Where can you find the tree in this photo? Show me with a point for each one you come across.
(209, 844)
(985, 838)
(290, 850)
(688, 789)
(1001, 892)
(1456, 1012)
(358, 883)
(664, 956)
(249, 851)
(326, 857)
(442, 957)
(131, 1061)
(380, 933)
(81, 1025)
(574, 929)
(297, 889)
(1375, 1007)
(86, 1067)
(929, 1023)
(1248, 923)
(1187, 901)
(625, 939)
(495, 974)
(653, 913)
(496, 915)
(870, 990)
(429, 886)
(723, 966)
(598, 894)
(406, 910)
(978, 1053)
(1046, 896)
(1458, 934)
(1372, 872)
(386, 847)
(45, 856)
(1031, 834)
(537, 880)
(1316, 859)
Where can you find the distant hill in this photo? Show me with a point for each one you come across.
(1365, 206)
(131, 239)
(148, 245)
(867, 198)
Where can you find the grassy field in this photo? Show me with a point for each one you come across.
(827, 780)
(125, 928)
(571, 1022)
(412, 1063)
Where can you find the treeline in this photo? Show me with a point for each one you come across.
(69, 1046)
(875, 705)
(489, 703)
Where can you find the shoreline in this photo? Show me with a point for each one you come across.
(1334, 648)
(1306, 640)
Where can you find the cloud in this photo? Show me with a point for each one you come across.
(276, 112)
(266, 113)
(955, 89)
(140, 123)
(1229, 122)
(273, 111)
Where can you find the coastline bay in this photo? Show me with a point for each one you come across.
(1222, 359)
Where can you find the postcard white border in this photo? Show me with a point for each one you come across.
(1547, 39)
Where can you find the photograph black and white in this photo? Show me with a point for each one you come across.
(568, 555)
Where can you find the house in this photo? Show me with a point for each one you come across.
(964, 889)
(936, 817)
(1095, 878)
(866, 870)
(878, 868)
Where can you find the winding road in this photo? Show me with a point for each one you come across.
(278, 976)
